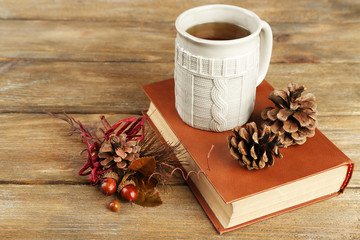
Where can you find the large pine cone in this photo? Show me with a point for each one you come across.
(254, 148)
(118, 151)
(293, 118)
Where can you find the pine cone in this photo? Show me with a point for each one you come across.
(293, 118)
(118, 151)
(254, 148)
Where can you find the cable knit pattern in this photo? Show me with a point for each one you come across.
(219, 108)
(206, 87)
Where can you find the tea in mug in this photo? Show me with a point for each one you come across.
(218, 31)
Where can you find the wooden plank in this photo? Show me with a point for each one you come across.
(36, 149)
(79, 212)
(140, 11)
(116, 87)
(335, 86)
(77, 87)
(154, 42)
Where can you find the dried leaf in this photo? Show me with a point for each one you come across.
(145, 165)
(148, 195)
(124, 179)
(149, 198)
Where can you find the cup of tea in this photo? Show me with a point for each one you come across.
(222, 53)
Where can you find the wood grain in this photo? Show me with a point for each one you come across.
(63, 211)
(150, 11)
(92, 57)
(134, 41)
(36, 149)
(27, 86)
(46, 153)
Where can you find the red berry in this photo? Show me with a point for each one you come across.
(129, 192)
(108, 186)
(114, 206)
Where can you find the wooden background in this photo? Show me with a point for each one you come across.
(91, 58)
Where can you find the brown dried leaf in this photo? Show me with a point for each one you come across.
(148, 195)
(148, 198)
(145, 165)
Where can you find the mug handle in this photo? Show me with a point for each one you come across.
(266, 44)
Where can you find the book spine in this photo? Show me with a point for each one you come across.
(348, 177)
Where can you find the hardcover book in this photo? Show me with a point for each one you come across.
(233, 196)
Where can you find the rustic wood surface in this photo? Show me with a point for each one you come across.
(92, 57)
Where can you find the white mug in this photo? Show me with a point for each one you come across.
(216, 80)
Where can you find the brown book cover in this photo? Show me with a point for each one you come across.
(317, 155)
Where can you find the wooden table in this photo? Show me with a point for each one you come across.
(92, 57)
